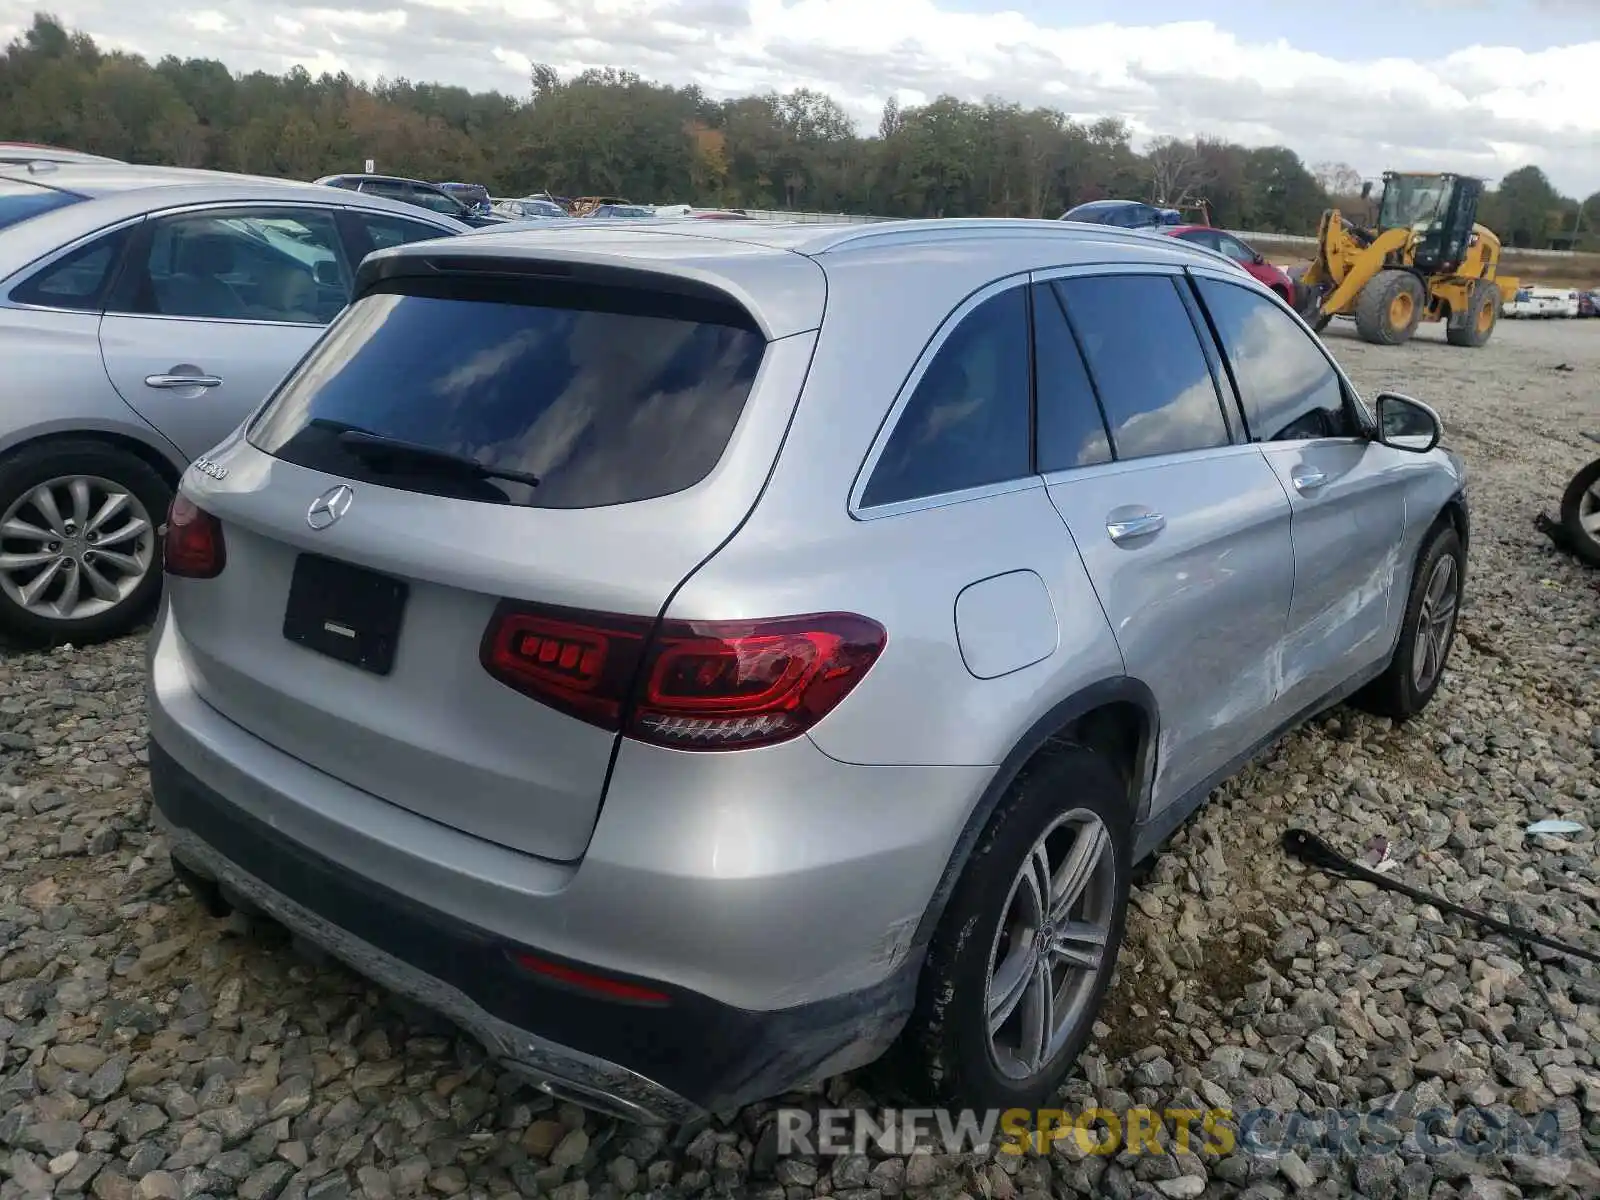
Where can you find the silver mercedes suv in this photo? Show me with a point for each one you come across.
(696, 660)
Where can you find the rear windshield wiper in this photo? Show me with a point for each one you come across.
(376, 446)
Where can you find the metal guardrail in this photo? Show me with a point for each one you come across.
(1295, 239)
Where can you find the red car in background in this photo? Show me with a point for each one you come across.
(1250, 259)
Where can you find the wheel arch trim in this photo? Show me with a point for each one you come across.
(1116, 690)
(161, 456)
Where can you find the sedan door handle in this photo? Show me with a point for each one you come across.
(182, 381)
(1308, 481)
(1132, 527)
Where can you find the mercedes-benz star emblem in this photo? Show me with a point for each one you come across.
(330, 506)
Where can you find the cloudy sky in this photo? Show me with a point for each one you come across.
(1474, 85)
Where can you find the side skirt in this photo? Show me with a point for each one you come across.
(1161, 824)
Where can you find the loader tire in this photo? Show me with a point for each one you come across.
(1389, 308)
(1483, 314)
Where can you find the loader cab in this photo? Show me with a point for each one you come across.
(1441, 209)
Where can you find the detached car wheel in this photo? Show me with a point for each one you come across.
(1025, 949)
(1580, 513)
(80, 555)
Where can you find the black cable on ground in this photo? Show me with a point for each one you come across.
(1312, 850)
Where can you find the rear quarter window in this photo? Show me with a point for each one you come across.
(606, 396)
(77, 280)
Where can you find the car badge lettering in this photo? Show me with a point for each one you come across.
(206, 467)
(330, 506)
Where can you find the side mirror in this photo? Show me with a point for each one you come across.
(1407, 424)
(1258, 258)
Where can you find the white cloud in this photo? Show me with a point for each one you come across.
(1486, 109)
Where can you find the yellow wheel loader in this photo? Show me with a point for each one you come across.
(1427, 260)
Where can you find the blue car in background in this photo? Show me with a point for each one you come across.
(1124, 214)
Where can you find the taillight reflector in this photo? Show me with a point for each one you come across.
(695, 685)
(193, 547)
(601, 985)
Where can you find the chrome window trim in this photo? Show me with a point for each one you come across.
(952, 321)
(1081, 270)
(1123, 466)
(251, 322)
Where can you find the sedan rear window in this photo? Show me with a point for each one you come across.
(20, 200)
(603, 395)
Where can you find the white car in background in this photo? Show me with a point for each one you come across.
(144, 313)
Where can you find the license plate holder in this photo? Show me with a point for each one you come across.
(345, 612)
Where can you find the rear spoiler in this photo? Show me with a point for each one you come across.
(514, 277)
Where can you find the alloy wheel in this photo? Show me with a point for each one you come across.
(1589, 512)
(1436, 621)
(1051, 944)
(74, 546)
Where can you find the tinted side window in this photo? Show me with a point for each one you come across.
(78, 280)
(439, 202)
(1288, 388)
(385, 231)
(283, 266)
(1145, 357)
(966, 424)
(1068, 429)
(389, 188)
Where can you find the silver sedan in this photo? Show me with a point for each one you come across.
(144, 313)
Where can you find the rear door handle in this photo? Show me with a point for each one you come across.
(1129, 528)
(182, 381)
(1309, 481)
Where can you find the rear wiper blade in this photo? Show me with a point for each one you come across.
(368, 446)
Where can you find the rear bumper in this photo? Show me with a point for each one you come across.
(774, 899)
(647, 1062)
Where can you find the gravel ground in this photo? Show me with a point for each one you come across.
(147, 1051)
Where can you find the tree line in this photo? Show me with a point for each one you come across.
(611, 132)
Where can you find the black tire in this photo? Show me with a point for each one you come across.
(45, 461)
(1397, 693)
(1585, 545)
(946, 1048)
(1376, 305)
(1483, 314)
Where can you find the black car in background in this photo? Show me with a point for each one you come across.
(414, 191)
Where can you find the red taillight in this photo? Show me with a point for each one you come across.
(716, 684)
(193, 548)
(566, 660)
(615, 989)
(696, 685)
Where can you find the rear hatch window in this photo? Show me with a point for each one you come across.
(533, 393)
(20, 200)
